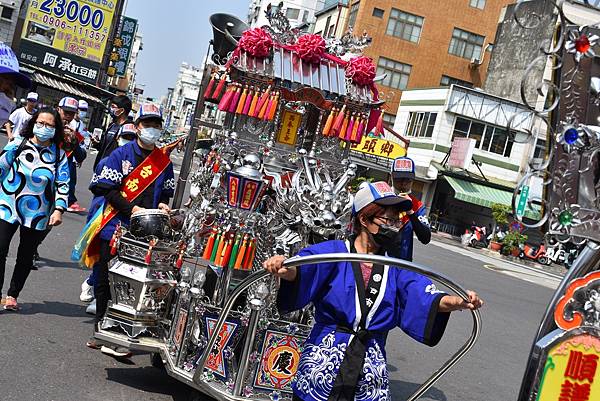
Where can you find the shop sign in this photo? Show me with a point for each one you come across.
(461, 153)
(119, 57)
(379, 147)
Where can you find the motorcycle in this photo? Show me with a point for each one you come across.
(477, 237)
(537, 254)
(556, 254)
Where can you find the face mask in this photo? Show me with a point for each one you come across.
(114, 114)
(44, 134)
(6, 107)
(149, 136)
(388, 238)
(82, 114)
(123, 141)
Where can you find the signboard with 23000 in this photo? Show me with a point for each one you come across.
(67, 37)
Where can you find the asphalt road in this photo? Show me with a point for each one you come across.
(44, 357)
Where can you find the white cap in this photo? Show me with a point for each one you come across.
(83, 105)
(32, 97)
(380, 193)
(68, 103)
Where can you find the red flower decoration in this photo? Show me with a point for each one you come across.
(311, 48)
(256, 42)
(361, 70)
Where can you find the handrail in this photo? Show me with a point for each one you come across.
(355, 257)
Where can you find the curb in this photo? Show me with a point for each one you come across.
(552, 269)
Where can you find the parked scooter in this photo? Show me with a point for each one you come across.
(478, 237)
(556, 254)
(537, 254)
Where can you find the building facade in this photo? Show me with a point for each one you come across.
(9, 16)
(427, 43)
(433, 119)
(331, 21)
(183, 99)
(299, 12)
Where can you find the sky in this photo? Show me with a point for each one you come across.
(174, 31)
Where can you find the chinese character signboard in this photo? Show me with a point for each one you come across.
(279, 361)
(379, 147)
(571, 372)
(119, 58)
(288, 131)
(67, 36)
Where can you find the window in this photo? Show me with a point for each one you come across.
(447, 81)
(389, 119)
(488, 137)
(332, 31)
(397, 73)
(466, 44)
(305, 16)
(404, 25)
(377, 12)
(477, 4)
(292, 13)
(540, 149)
(327, 27)
(352, 14)
(7, 12)
(421, 124)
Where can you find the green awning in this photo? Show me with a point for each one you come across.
(481, 195)
(478, 194)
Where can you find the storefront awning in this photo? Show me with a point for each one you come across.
(481, 195)
(47, 80)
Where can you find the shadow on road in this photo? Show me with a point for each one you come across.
(45, 262)
(151, 380)
(53, 308)
(401, 390)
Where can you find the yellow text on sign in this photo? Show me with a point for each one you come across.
(288, 131)
(379, 147)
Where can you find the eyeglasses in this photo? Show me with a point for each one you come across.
(39, 124)
(388, 221)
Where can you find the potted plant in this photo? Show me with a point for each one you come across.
(500, 215)
(512, 242)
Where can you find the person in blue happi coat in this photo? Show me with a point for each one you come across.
(357, 304)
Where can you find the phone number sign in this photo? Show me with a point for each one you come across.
(78, 27)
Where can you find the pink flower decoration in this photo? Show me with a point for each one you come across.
(361, 70)
(256, 42)
(311, 48)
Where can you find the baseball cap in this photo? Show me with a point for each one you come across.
(128, 130)
(403, 167)
(68, 104)
(148, 110)
(380, 193)
(10, 65)
(83, 105)
(32, 97)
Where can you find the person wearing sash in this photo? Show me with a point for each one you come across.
(127, 134)
(34, 185)
(357, 304)
(413, 220)
(135, 176)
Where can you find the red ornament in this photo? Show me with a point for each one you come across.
(257, 42)
(311, 48)
(582, 44)
(361, 70)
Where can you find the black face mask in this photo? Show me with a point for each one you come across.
(388, 238)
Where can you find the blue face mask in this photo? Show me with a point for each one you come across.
(43, 134)
(82, 114)
(149, 136)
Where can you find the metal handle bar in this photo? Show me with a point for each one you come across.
(355, 257)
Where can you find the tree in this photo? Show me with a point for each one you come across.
(500, 214)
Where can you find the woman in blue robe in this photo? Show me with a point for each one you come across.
(357, 304)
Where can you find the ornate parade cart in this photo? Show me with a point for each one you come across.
(193, 291)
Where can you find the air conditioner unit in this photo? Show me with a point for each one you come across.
(475, 62)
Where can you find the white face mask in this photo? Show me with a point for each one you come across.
(149, 136)
(6, 107)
